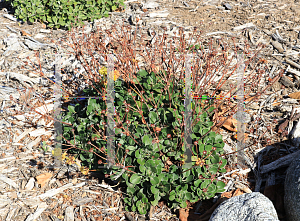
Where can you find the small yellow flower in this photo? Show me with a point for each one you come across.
(64, 156)
(70, 160)
(103, 72)
(84, 171)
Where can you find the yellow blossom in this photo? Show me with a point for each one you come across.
(103, 72)
(70, 160)
(64, 156)
(84, 171)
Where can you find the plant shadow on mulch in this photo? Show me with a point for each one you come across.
(5, 4)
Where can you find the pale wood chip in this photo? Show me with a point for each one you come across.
(8, 181)
(41, 208)
(22, 135)
(69, 213)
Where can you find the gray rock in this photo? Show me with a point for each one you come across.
(246, 207)
(227, 6)
(292, 190)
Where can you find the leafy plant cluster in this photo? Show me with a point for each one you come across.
(63, 13)
(150, 155)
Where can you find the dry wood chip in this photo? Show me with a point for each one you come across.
(8, 158)
(42, 206)
(4, 200)
(30, 184)
(230, 123)
(81, 201)
(11, 213)
(34, 201)
(39, 132)
(34, 143)
(43, 178)
(20, 137)
(293, 71)
(69, 213)
(278, 46)
(8, 181)
(295, 95)
(248, 25)
(45, 108)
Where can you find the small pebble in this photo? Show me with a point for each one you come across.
(227, 6)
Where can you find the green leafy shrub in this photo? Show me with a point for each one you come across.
(156, 170)
(150, 152)
(63, 13)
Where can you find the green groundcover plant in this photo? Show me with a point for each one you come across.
(150, 155)
(63, 13)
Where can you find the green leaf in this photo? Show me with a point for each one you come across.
(133, 208)
(197, 182)
(141, 161)
(211, 109)
(220, 185)
(154, 190)
(142, 168)
(153, 117)
(183, 204)
(144, 200)
(154, 202)
(189, 196)
(146, 140)
(131, 147)
(143, 73)
(137, 154)
(205, 183)
(172, 197)
(154, 180)
(189, 178)
(134, 179)
(212, 188)
(194, 158)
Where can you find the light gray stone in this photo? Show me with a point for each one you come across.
(246, 207)
(292, 190)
